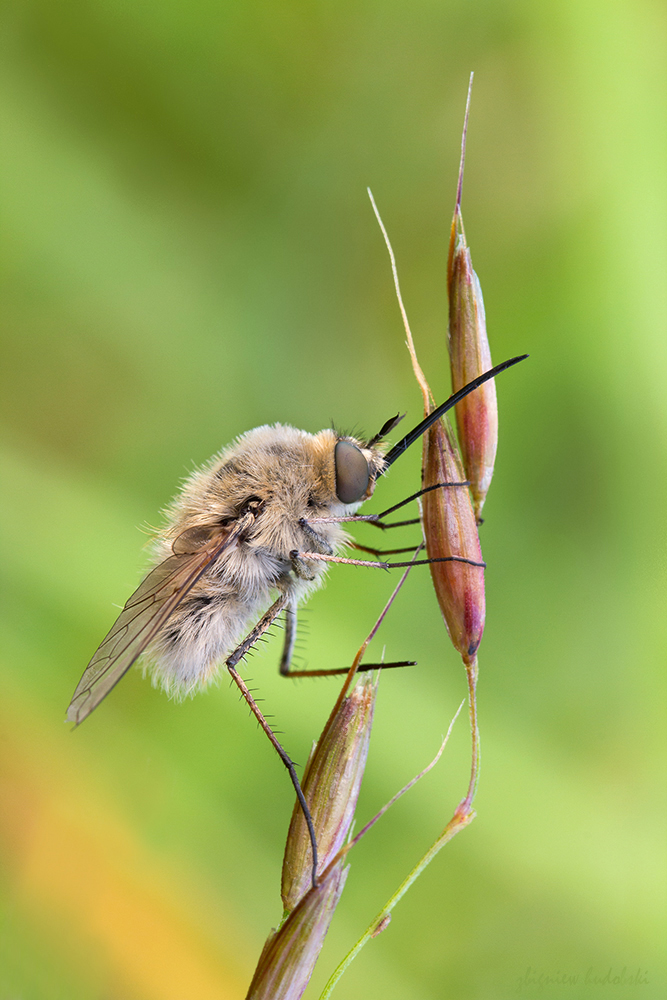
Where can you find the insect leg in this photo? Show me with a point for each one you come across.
(394, 524)
(345, 670)
(231, 661)
(288, 649)
(260, 628)
(376, 519)
(418, 494)
(356, 667)
(379, 523)
(381, 552)
(290, 638)
(319, 544)
(385, 565)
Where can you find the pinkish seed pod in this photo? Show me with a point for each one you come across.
(448, 518)
(331, 784)
(469, 354)
(450, 529)
(289, 955)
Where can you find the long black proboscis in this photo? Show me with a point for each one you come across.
(417, 431)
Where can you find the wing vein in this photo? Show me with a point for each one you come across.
(142, 617)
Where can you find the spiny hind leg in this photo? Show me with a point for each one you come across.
(288, 649)
(262, 625)
(290, 639)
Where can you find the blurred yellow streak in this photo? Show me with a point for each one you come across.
(70, 857)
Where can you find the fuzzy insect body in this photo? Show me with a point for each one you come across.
(283, 476)
(233, 540)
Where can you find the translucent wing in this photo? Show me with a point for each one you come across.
(145, 613)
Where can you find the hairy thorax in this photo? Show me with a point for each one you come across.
(286, 478)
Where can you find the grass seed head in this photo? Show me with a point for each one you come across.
(469, 354)
(289, 955)
(331, 786)
(450, 529)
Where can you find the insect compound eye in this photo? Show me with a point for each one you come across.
(352, 473)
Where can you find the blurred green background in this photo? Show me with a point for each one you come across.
(188, 251)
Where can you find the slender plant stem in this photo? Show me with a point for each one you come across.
(472, 672)
(419, 374)
(457, 823)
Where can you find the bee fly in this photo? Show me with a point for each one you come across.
(240, 531)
